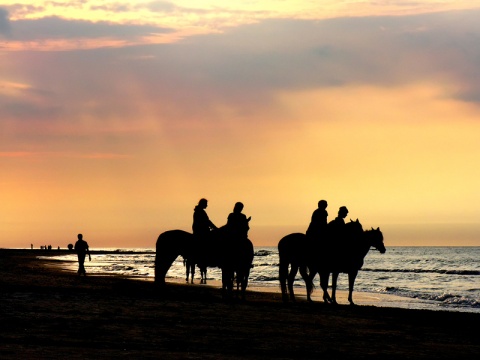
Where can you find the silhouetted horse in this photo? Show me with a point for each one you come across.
(349, 260)
(232, 256)
(333, 254)
(299, 252)
(352, 261)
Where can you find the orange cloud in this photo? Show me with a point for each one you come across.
(183, 18)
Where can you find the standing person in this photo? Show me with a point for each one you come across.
(201, 223)
(81, 247)
(318, 224)
(237, 223)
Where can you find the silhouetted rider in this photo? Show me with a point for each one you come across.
(237, 223)
(201, 223)
(339, 220)
(318, 224)
(336, 230)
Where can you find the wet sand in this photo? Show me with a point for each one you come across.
(50, 313)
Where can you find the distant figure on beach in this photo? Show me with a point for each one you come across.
(318, 223)
(237, 223)
(201, 223)
(81, 247)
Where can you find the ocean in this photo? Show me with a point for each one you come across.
(434, 278)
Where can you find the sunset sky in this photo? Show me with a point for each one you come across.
(117, 116)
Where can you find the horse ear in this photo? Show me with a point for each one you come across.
(378, 228)
(357, 220)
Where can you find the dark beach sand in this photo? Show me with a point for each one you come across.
(50, 313)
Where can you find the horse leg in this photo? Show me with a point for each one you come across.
(324, 276)
(351, 282)
(239, 281)
(283, 274)
(227, 283)
(291, 280)
(161, 268)
(235, 281)
(186, 263)
(192, 270)
(334, 287)
(245, 283)
(309, 285)
(308, 281)
(231, 275)
(224, 283)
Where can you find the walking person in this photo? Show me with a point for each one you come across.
(81, 247)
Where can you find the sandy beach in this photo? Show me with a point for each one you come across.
(50, 313)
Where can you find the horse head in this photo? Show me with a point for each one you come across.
(354, 227)
(376, 240)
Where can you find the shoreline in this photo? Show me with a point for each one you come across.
(53, 314)
(360, 298)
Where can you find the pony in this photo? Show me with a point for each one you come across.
(324, 257)
(232, 256)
